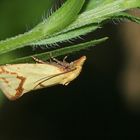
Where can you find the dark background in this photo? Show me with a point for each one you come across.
(92, 106)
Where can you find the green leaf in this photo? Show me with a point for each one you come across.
(123, 15)
(102, 13)
(57, 21)
(91, 4)
(96, 15)
(59, 52)
(67, 36)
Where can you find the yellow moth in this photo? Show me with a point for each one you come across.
(17, 79)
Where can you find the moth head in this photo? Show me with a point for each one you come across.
(78, 63)
(76, 68)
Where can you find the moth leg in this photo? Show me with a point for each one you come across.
(38, 60)
(64, 59)
(54, 59)
(62, 63)
(51, 58)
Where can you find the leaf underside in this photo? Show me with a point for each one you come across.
(93, 16)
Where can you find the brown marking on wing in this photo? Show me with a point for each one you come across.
(4, 80)
(19, 89)
(2, 70)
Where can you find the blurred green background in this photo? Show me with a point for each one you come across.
(92, 105)
(19, 16)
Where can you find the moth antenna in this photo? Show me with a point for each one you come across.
(50, 77)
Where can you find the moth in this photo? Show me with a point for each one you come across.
(18, 79)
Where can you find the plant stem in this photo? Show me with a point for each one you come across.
(56, 22)
(20, 40)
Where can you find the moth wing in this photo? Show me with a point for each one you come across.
(17, 79)
(9, 86)
(21, 78)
